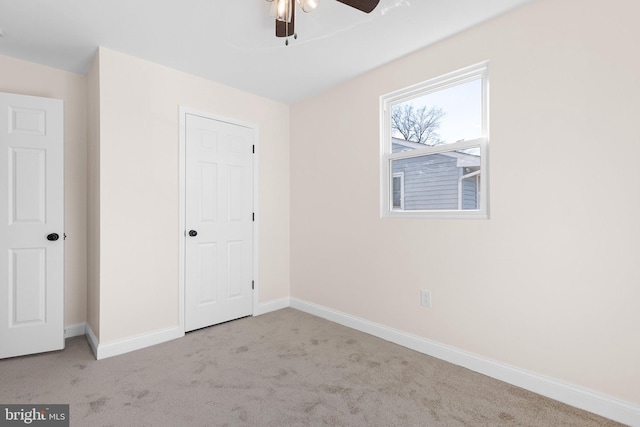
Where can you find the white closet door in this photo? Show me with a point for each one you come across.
(31, 225)
(219, 224)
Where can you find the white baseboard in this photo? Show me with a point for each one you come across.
(579, 397)
(92, 339)
(76, 330)
(102, 351)
(268, 307)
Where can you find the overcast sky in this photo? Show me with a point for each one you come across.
(463, 107)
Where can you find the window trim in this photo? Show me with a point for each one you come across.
(474, 72)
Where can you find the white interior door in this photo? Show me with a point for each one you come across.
(219, 222)
(31, 225)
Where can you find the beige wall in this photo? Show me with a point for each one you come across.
(549, 283)
(138, 184)
(26, 78)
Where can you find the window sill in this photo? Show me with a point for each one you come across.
(444, 214)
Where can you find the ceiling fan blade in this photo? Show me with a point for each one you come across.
(284, 29)
(364, 5)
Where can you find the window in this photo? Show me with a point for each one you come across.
(398, 190)
(435, 147)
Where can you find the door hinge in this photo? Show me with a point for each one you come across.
(253, 284)
(253, 216)
(253, 150)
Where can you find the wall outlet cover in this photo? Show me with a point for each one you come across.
(425, 298)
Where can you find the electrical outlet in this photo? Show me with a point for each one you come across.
(425, 298)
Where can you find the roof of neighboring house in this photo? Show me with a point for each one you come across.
(463, 159)
(409, 145)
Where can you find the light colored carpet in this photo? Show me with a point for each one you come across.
(285, 368)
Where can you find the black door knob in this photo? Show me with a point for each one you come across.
(53, 237)
(193, 233)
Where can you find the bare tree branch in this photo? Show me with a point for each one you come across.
(419, 125)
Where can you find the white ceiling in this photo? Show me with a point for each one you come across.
(233, 41)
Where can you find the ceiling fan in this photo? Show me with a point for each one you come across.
(285, 12)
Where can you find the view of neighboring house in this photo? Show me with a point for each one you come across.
(439, 181)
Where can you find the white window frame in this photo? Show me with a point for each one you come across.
(474, 72)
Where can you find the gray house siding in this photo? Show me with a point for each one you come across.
(470, 199)
(432, 182)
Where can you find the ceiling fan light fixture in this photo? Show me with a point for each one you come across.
(308, 5)
(283, 10)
